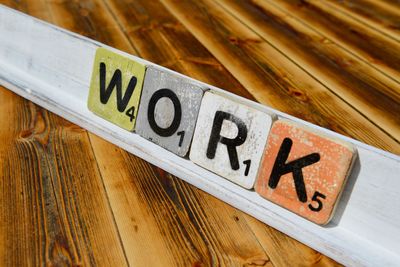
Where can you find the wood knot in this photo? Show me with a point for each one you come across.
(177, 26)
(299, 95)
(25, 134)
(197, 264)
(240, 42)
(60, 255)
(344, 62)
(257, 262)
(325, 40)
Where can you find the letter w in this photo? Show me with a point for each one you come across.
(116, 81)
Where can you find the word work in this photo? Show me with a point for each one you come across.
(285, 162)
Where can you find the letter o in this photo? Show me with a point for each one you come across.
(170, 130)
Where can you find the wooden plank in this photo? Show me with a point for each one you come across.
(81, 18)
(274, 79)
(63, 89)
(374, 47)
(53, 209)
(367, 89)
(381, 16)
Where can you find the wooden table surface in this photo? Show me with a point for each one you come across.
(70, 198)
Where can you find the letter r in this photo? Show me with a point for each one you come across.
(231, 144)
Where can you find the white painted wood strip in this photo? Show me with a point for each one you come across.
(52, 67)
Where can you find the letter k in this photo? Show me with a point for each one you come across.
(295, 167)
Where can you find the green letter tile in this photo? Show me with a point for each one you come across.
(115, 88)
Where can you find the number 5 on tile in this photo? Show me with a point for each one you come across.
(115, 88)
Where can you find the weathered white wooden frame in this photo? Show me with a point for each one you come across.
(52, 67)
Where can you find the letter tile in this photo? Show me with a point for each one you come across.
(230, 139)
(304, 171)
(115, 88)
(168, 110)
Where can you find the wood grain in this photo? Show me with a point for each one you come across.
(376, 48)
(381, 16)
(355, 81)
(168, 218)
(277, 81)
(55, 206)
(53, 209)
(285, 251)
(160, 38)
(71, 198)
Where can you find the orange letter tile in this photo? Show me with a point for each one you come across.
(304, 171)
